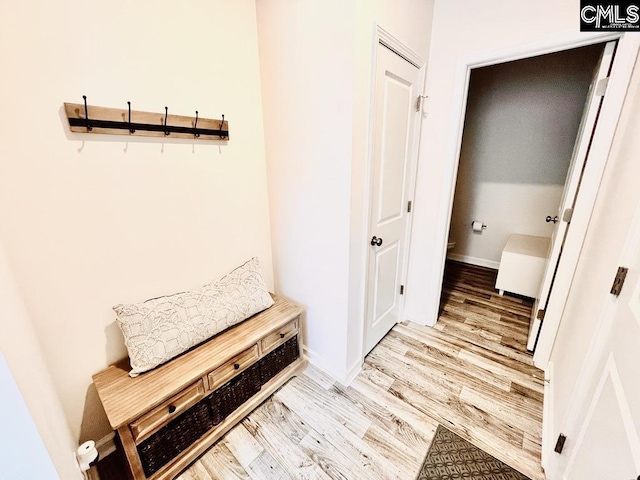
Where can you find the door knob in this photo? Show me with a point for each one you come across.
(552, 219)
(376, 241)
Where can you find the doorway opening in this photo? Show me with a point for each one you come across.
(522, 127)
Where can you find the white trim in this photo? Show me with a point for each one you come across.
(573, 419)
(461, 90)
(547, 415)
(419, 318)
(625, 411)
(623, 64)
(413, 173)
(634, 302)
(621, 73)
(366, 210)
(352, 373)
(392, 43)
(610, 372)
(345, 378)
(321, 364)
(383, 37)
(558, 43)
(579, 159)
(481, 262)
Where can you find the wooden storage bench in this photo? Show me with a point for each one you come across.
(169, 416)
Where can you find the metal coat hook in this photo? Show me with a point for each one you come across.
(86, 114)
(121, 122)
(131, 130)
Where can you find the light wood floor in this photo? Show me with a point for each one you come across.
(470, 373)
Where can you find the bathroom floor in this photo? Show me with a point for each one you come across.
(472, 309)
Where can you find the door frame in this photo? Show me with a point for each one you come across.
(626, 54)
(384, 39)
(571, 187)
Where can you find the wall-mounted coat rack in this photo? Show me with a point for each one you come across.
(85, 118)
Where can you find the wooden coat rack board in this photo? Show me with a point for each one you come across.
(91, 119)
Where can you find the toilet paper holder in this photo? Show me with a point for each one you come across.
(477, 226)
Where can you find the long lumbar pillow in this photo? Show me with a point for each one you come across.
(159, 329)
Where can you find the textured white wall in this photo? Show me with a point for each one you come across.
(91, 221)
(521, 123)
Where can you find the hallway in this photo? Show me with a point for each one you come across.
(470, 373)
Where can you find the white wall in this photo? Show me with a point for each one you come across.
(521, 122)
(461, 30)
(316, 60)
(91, 221)
(22, 454)
(306, 60)
(613, 212)
(410, 22)
(22, 352)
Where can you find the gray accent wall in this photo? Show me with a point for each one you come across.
(521, 124)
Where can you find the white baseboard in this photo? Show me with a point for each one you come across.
(321, 364)
(352, 373)
(106, 445)
(343, 377)
(481, 262)
(419, 318)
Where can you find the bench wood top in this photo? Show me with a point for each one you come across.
(125, 398)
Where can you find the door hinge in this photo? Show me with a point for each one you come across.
(420, 102)
(560, 443)
(618, 282)
(540, 315)
(601, 87)
(401, 289)
(409, 206)
(567, 215)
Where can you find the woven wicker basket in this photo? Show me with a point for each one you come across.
(234, 393)
(175, 437)
(276, 361)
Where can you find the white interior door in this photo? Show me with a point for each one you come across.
(571, 187)
(394, 120)
(605, 442)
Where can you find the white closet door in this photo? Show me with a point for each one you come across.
(394, 120)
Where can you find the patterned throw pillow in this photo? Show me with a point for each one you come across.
(159, 329)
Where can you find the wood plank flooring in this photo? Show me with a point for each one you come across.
(470, 373)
